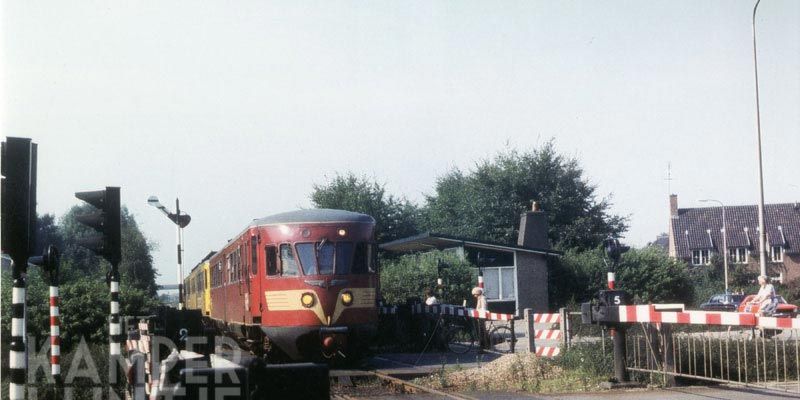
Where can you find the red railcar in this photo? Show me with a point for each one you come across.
(300, 285)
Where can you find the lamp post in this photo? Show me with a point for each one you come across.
(724, 239)
(180, 221)
(762, 233)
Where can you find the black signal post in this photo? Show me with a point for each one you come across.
(614, 252)
(18, 187)
(106, 220)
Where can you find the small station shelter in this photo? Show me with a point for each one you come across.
(515, 276)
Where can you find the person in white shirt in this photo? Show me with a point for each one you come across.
(480, 304)
(430, 298)
(480, 299)
(765, 295)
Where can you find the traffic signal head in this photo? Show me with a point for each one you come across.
(614, 249)
(18, 191)
(106, 221)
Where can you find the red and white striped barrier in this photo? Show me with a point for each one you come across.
(544, 351)
(548, 334)
(554, 318)
(459, 311)
(649, 313)
(553, 330)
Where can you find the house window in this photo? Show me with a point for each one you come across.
(499, 283)
(738, 255)
(776, 253)
(701, 257)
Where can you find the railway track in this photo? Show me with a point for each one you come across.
(401, 385)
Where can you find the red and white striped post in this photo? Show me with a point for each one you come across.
(611, 279)
(49, 262)
(55, 332)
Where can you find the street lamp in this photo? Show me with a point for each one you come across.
(724, 239)
(762, 233)
(180, 221)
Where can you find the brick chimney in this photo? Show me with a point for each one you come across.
(533, 229)
(673, 216)
(673, 206)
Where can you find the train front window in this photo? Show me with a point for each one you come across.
(288, 263)
(344, 257)
(307, 258)
(317, 258)
(325, 257)
(364, 258)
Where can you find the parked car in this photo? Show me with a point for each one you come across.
(784, 309)
(723, 302)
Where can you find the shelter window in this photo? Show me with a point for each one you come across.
(500, 283)
(272, 261)
(288, 262)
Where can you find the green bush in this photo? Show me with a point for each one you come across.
(588, 358)
(408, 276)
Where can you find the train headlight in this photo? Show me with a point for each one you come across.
(347, 298)
(342, 232)
(307, 299)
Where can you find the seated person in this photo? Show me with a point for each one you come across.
(765, 298)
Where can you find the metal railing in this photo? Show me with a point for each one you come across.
(753, 357)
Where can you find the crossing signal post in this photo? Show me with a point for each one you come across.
(18, 187)
(106, 220)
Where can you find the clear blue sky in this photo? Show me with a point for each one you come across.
(238, 108)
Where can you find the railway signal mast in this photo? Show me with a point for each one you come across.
(180, 221)
(107, 245)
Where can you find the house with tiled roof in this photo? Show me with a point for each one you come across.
(696, 234)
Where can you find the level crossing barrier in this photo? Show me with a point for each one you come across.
(669, 342)
(460, 311)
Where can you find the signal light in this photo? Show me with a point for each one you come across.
(106, 221)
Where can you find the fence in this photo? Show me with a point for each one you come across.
(723, 347)
(545, 334)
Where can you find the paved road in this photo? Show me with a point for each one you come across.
(690, 393)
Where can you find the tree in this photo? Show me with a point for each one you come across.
(394, 217)
(136, 266)
(648, 274)
(84, 293)
(485, 203)
(409, 275)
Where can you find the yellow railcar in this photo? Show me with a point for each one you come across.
(197, 287)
